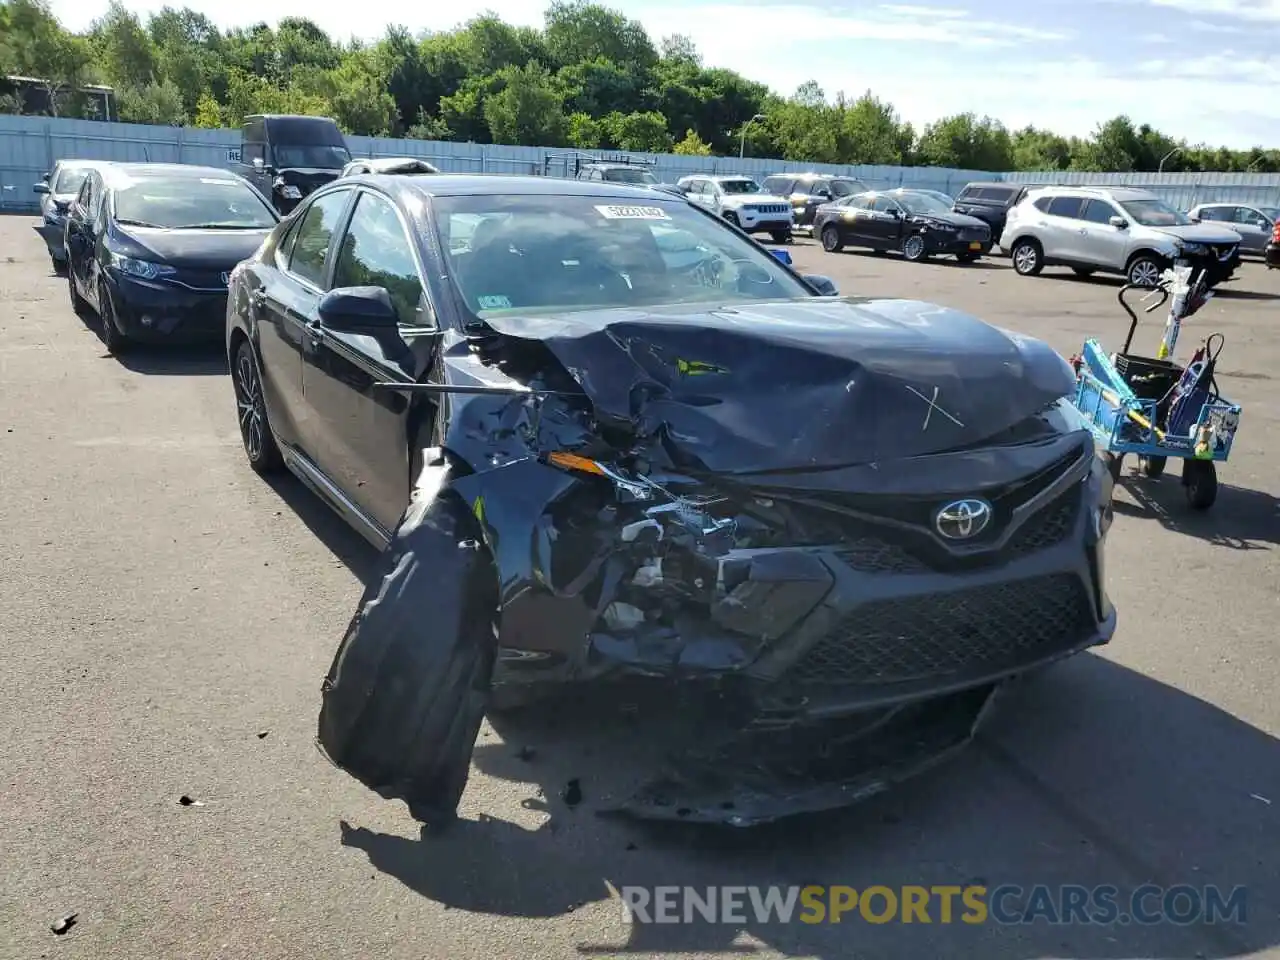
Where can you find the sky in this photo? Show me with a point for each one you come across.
(1204, 70)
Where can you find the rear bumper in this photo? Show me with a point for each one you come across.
(945, 244)
(1271, 254)
(155, 311)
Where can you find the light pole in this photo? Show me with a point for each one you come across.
(1160, 169)
(742, 142)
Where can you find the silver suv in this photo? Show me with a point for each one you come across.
(1113, 230)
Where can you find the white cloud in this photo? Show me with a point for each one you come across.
(1254, 10)
(1156, 38)
(1203, 26)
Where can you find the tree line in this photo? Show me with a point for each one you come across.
(591, 78)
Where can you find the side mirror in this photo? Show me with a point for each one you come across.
(41, 188)
(357, 310)
(1261, 223)
(1118, 222)
(824, 285)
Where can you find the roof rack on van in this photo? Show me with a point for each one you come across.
(572, 163)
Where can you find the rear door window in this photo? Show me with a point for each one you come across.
(1042, 203)
(314, 236)
(1069, 207)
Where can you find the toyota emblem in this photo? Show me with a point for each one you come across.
(963, 519)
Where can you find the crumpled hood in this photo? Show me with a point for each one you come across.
(1201, 233)
(801, 384)
(203, 250)
(960, 220)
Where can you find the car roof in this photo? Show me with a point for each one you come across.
(134, 171)
(476, 184)
(87, 164)
(1113, 193)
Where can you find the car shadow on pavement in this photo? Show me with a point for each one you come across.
(1234, 293)
(208, 360)
(1088, 774)
(1241, 519)
(356, 554)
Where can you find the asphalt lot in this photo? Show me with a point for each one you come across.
(167, 618)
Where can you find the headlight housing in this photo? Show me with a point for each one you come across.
(942, 227)
(142, 269)
(1195, 249)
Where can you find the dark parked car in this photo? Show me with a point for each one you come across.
(918, 225)
(808, 191)
(1272, 250)
(602, 434)
(152, 246)
(286, 157)
(57, 189)
(990, 203)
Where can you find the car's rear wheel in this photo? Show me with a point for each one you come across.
(251, 410)
(914, 248)
(831, 241)
(1145, 269)
(1027, 257)
(113, 338)
(408, 689)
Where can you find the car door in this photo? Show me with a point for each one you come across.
(1254, 228)
(285, 309)
(79, 250)
(853, 218)
(698, 194)
(1063, 235)
(363, 433)
(1101, 245)
(884, 224)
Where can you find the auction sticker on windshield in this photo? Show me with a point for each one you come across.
(632, 213)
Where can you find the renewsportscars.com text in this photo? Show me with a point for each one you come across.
(1006, 904)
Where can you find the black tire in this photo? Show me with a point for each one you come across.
(1145, 268)
(781, 236)
(409, 687)
(1200, 483)
(915, 248)
(1027, 256)
(1115, 465)
(78, 303)
(732, 218)
(113, 338)
(1152, 467)
(256, 435)
(59, 266)
(968, 257)
(832, 242)
(1083, 271)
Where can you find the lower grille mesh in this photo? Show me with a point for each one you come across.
(948, 634)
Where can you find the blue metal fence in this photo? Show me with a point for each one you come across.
(30, 145)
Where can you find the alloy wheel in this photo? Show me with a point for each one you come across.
(250, 407)
(1025, 258)
(913, 249)
(1144, 273)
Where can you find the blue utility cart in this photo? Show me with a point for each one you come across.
(1154, 408)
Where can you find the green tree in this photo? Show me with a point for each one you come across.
(1035, 149)
(645, 132)
(155, 103)
(577, 31)
(428, 127)
(33, 44)
(968, 142)
(528, 109)
(208, 113)
(692, 146)
(125, 50)
(585, 131)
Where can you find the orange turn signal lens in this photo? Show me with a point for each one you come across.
(571, 461)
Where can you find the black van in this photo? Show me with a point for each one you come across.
(991, 203)
(808, 191)
(287, 157)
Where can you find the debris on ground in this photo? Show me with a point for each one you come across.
(61, 926)
(187, 801)
(262, 734)
(572, 793)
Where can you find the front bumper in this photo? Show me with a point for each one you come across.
(53, 235)
(754, 222)
(1272, 255)
(163, 311)
(958, 244)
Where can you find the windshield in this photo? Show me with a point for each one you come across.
(739, 186)
(317, 156)
(177, 202)
(847, 188)
(70, 180)
(1154, 213)
(625, 175)
(565, 253)
(921, 203)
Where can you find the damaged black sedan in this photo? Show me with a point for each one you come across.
(601, 435)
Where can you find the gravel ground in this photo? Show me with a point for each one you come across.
(167, 618)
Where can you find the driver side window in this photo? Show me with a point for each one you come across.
(376, 252)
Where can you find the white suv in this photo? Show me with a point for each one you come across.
(1113, 230)
(742, 202)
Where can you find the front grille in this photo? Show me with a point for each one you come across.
(1224, 253)
(974, 234)
(1047, 527)
(946, 635)
(768, 207)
